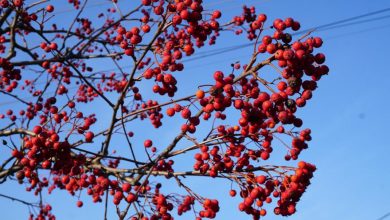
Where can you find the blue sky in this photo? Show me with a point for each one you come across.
(348, 115)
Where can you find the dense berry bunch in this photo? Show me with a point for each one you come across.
(44, 213)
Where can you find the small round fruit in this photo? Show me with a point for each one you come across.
(79, 203)
(200, 94)
(89, 136)
(148, 143)
(50, 8)
(37, 129)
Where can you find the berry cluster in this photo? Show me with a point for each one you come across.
(9, 76)
(259, 190)
(210, 208)
(44, 213)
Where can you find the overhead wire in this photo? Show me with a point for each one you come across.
(355, 23)
(384, 217)
(345, 20)
(328, 26)
(358, 32)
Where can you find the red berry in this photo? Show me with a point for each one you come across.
(79, 203)
(264, 155)
(37, 129)
(170, 112)
(271, 48)
(50, 8)
(317, 42)
(53, 46)
(262, 17)
(218, 76)
(54, 137)
(121, 30)
(186, 113)
(267, 40)
(18, 3)
(261, 179)
(146, 2)
(148, 143)
(89, 136)
(146, 28)
(126, 187)
(131, 198)
(301, 164)
(288, 54)
(71, 104)
(216, 14)
(200, 94)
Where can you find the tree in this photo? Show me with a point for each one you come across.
(227, 127)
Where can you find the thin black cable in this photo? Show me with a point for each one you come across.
(385, 216)
(358, 32)
(319, 28)
(345, 20)
(356, 22)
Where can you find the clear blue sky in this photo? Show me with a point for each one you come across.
(349, 117)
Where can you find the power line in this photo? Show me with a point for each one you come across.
(385, 216)
(358, 32)
(328, 26)
(356, 22)
(345, 20)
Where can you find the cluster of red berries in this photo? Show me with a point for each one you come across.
(76, 3)
(259, 190)
(85, 26)
(44, 213)
(39, 152)
(210, 208)
(293, 187)
(185, 112)
(185, 206)
(9, 76)
(48, 48)
(168, 84)
(86, 94)
(217, 100)
(163, 206)
(163, 165)
(128, 39)
(154, 114)
(3, 40)
(210, 161)
(254, 22)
